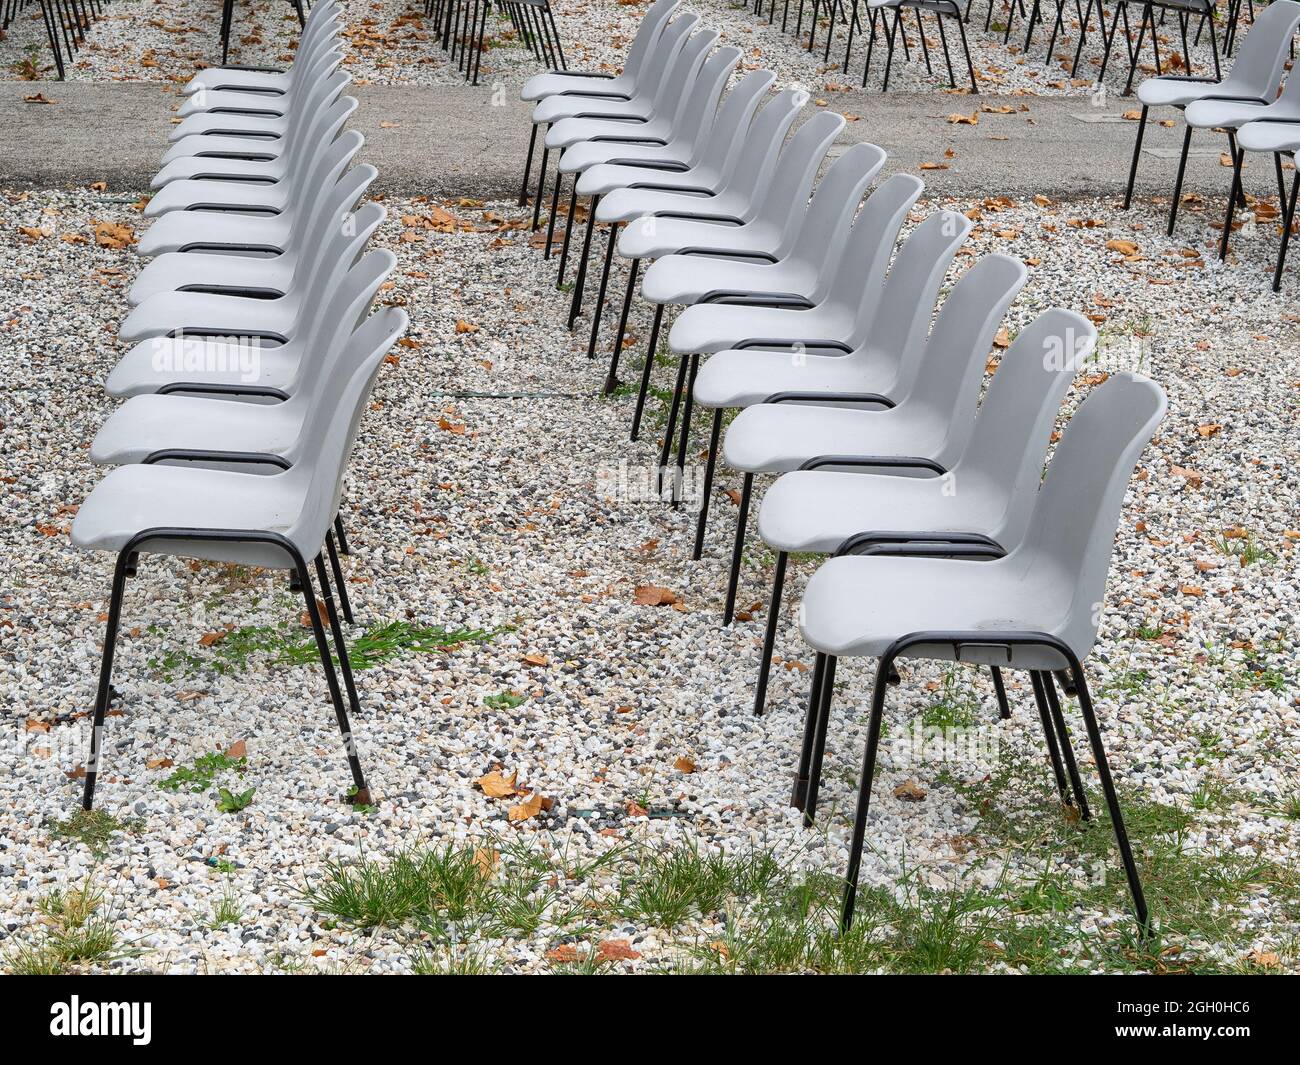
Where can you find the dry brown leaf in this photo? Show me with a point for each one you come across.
(684, 764)
(565, 953)
(1209, 429)
(652, 595)
(495, 786)
(910, 791)
(486, 859)
(1194, 478)
(616, 950)
(159, 763)
(529, 808)
(537, 660)
(1124, 247)
(958, 119)
(210, 638)
(463, 326)
(238, 749)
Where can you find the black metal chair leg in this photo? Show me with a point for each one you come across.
(738, 550)
(568, 232)
(769, 634)
(970, 67)
(555, 209)
(1067, 749)
(575, 305)
(338, 531)
(646, 370)
(864, 793)
(819, 742)
(528, 167)
(611, 379)
(799, 793)
(1238, 156)
(344, 602)
(611, 240)
(706, 490)
(1288, 218)
(1178, 181)
(1281, 181)
(361, 794)
(670, 431)
(541, 187)
(336, 631)
(688, 405)
(1000, 690)
(1049, 734)
(1133, 166)
(1112, 801)
(104, 694)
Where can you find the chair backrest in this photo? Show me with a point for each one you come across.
(339, 319)
(1072, 530)
(659, 68)
(311, 139)
(901, 321)
(680, 82)
(323, 92)
(334, 209)
(1263, 52)
(749, 169)
(323, 25)
(696, 110)
(1004, 456)
(825, 226)
(946, 381)
(330, 428)
(341, 248)
(324, 174)
(648, 35)
(317, 69)
(784, 201)
(732, 123)
(854, 279)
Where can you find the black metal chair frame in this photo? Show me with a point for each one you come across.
(127, 561)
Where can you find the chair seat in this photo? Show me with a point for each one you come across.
(1270, 136)
(671, 235)
(201, 195)
(131, 499)
(208, 168)
(175, 271)
(605, 178)
(212, 313)
(742, 378)
(144, 425)
(226, 78)
(235, 100)
(181, 230)
(713, 327)
(859, 606)
(686, 279)
(1208, 114)
(625, 205)
(555, 109)
(578, 158)
(558, 83)
(817, 510)
(215, 145)
(778, 437)
(155, 363)
(576, 130)
(1175, 92)
(232, 125)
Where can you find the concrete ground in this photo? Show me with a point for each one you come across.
(460, 141)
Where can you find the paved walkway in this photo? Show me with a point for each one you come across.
(455, 141)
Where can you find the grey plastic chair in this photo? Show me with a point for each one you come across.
(873, 343)
(278, 521)
(1034, 608)
(826, 511)
(322, 25)
(1253, 79)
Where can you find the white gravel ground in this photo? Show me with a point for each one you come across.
(476, 512)
(391, 43)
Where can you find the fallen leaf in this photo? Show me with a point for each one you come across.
(1209, 429)
(238, 749)
(463, 326)
(564, 954)
(684, 765)
(531, 808)
(1194, 478)
(485, 859)
(652, 595)
(616, 950)
(910, 791)
(1124, 247)
(537, 660)
(38, 98)
(495, 786)
(159, 763)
